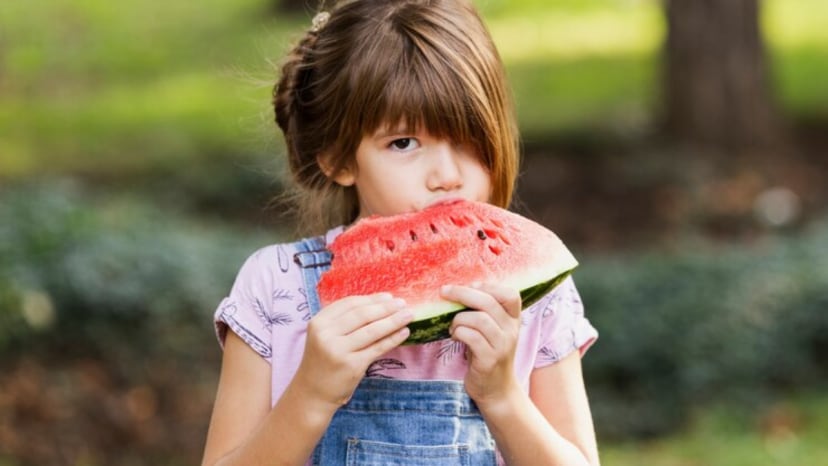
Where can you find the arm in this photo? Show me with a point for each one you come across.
(552, 425)
(242, 416)
(342, 341)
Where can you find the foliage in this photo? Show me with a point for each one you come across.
(93, 276)
(107, 352)
(681, 329)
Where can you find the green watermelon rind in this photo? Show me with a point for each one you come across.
(437, 327)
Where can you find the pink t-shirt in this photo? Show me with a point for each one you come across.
(268, 309)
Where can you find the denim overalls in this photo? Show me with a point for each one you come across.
(390, 422)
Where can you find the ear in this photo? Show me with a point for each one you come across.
(343, 177)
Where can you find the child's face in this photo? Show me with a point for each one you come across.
(401, 171)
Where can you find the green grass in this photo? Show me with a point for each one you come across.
(123, 88)
(593, 93)
(109, 88)
(787, 433)
(579, 66)
(798, 43)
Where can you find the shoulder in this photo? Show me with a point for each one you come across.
(275, 261)
(268, 293)
(275, 258)
(265, 268)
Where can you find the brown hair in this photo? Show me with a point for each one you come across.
(425, 63)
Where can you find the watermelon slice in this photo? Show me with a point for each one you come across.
(457, 242)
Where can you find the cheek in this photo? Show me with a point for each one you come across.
(486, 185)
(481, 175)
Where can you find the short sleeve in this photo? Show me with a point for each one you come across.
(564, 327)
(245, 310)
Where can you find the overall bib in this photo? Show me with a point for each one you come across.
(390, 422)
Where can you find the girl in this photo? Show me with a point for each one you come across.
(388, 106)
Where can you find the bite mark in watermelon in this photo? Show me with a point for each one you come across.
(459, 242)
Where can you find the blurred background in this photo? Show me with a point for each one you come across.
(679, 147)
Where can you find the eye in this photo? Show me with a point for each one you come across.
(404, 144)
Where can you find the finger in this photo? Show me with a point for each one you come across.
(378, 330)
(475, 298)
(481, 322)
(386, 344)
(360, 316)
(508, 297)
(475, 342)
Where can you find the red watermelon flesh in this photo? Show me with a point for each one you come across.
(458, 242)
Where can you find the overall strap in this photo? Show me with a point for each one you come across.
(313, 258)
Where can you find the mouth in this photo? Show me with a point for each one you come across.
(445, 200)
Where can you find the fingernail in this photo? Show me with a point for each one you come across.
(446, 288)
(384, 296)
(404, 317)
(398, 303)
(476, 284)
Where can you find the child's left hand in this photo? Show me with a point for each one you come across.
(490, 334)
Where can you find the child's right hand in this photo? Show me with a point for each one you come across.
(343, 339)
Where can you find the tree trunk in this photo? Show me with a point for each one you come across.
(717, 91)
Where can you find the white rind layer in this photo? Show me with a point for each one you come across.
(563, 263)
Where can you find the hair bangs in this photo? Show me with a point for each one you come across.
(424, 90)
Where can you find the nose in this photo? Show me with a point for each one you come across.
(444, 171)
